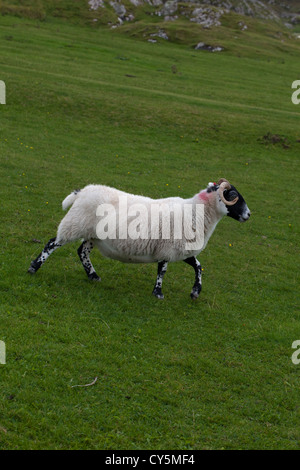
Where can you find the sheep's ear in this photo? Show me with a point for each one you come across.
(205, 195)
(211, 187)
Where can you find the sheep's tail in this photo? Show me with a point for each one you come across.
(70, 199)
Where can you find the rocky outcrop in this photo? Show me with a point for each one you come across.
(207, 13)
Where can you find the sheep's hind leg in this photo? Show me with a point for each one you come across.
(84, 254)
(47, 251)
(161, 270)
(192, 261)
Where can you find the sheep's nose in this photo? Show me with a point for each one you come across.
(248, 214)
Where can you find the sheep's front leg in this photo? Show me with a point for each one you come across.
(47, 251)
(161, 270)
(84, 254)
(198, 283)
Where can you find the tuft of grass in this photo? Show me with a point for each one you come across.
(92, 106)
(24, 9)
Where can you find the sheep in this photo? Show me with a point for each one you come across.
(103, 217)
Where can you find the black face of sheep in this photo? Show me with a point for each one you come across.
(239, 210)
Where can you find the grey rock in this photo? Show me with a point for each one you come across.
(206, 47)
(169, 8)
(119, 9)
(95, 4)
(160, 34)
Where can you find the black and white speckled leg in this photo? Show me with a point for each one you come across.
(161, 270)
(198, 282)
(84, 254)
(47, 251)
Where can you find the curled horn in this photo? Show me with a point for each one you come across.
(224, 184)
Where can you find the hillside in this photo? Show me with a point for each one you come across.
(204, 12)
(213, 25)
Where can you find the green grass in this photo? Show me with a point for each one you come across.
(92, 106)
(265, 39)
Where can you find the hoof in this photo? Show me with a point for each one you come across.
(31, 270)
(158, 295)
(94, 277)
(194, 296)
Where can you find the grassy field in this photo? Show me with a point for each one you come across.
(92, 106)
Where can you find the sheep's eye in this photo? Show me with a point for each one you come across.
(232, 195)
